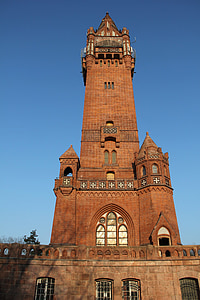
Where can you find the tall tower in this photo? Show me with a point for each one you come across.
(117, 194)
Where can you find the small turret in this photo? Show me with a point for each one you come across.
(152, 166)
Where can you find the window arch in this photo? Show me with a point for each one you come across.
(111, 230)
(114, 157)
(154, 169)
(106, 157)
(189, 288)
(68, 172)
(164, 237)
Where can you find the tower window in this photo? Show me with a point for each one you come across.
(106, 157)
(112, 232)
(116, 63)
(112, 85)
(108, 85)
(68, 172)
(189, 288)
(110, 176)
(154, 169)
(100, 63)
(114, 157)
(104, 289)
(44, 288)
(109, 123)
(131, 289)
(105, 85)
(108, 63)
(101, 56)
(164, 237)
(109, 56)
(143, 171)
(116, 56)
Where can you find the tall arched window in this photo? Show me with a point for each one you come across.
(111, 230)
(106, 157)
(154, 169)
(114, 157)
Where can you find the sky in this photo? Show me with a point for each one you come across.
(42, 97)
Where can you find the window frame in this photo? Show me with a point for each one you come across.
(187, 290)
(98, 288)
(41, 291)
(127, 289)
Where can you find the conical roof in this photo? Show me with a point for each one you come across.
(148, 143)
(70, 153)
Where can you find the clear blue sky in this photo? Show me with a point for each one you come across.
(42, 94)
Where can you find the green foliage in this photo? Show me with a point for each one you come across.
(32, 238)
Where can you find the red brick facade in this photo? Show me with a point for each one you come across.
(115, 233)
(110, 144)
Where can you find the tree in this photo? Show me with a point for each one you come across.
(32, 238)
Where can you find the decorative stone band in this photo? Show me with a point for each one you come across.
(107, 184)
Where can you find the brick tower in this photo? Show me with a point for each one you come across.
(117, 194)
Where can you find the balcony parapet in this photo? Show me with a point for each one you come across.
(52, 252)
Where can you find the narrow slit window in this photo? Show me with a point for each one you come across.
(112, 85)
(116, 63)
(105, 85)
(108, 63)
(108, 85)
(100, 63)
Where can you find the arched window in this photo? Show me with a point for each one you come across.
(44, 288)
(143, 171)
(106, 157)
(100, 235)
(154, 169)
(111, 230)
(123, 236)
(189, 288)
(131, 289)
(164, 237)
(68, 172)
(109, 123)
(104, 289)
(110, 176)
(114, 157)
